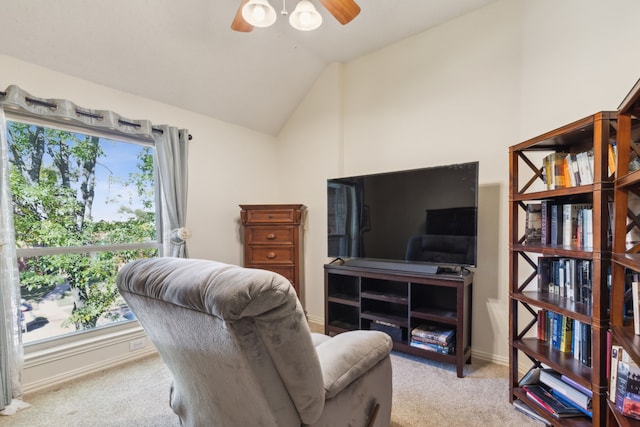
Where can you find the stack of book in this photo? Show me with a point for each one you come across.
(624, 383)
(433, 338)
(557, 394)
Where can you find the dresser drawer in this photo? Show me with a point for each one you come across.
(271, 216)
(271, 255)
(269, 235)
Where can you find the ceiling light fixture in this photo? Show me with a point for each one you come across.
(260, 13)
(305, 17)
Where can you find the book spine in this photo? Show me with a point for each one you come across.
(635, 289)
(616, 355)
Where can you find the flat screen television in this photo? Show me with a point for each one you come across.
(416, 218)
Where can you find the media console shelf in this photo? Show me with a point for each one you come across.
(357, 297)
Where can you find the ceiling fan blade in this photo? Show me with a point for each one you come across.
(343, 10)
(239, 24)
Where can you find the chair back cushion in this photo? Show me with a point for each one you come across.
(236, 341)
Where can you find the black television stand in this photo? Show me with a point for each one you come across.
(395, 300)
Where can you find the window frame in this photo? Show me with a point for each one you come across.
(77, 342)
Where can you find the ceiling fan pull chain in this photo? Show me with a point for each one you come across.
(284, 8)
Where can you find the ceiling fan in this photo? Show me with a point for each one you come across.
(259, 13)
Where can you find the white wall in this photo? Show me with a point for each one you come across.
(465, 91)
(310, 148)
(578, 57)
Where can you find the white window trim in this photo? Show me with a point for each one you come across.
(58, 359)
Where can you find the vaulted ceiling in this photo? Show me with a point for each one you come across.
(184, 53)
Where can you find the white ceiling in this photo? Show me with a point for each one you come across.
(183, 52)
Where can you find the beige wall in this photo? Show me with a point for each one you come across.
(463, 91)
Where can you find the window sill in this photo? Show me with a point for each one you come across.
(51, 362)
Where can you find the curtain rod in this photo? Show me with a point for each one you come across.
(84, 113)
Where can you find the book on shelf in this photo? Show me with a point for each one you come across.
(571, 170)
(554, 174)
(566, 335)
(525, 409)
(565, 400)
(615, 357)
(631, 406)
(545, 283)
(438, 348)
(545, 222)
(556, 224)
(612, 157)
(434, 332)
(635, 300)
(585, 167)
(577, 385)
(531, 377)
(574, 396)
(533, 224)
(543, 397)
(627, 381)
(585, 344)
(542, 324)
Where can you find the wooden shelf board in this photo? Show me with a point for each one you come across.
(556, 303)
(625, 336)
(555, 359)
(385, 317)
(559, 251)
(435, 315)
(385, 296)
(344, 299)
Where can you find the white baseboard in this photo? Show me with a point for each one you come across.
(475, 354)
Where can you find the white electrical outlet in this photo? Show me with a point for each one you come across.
(137, 344)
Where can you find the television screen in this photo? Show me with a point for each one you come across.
(423, 216)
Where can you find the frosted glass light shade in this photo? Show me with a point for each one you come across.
(259, 13)
(305, 17)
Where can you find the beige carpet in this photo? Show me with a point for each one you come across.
(136, 394)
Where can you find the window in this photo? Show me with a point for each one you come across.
(84, 205)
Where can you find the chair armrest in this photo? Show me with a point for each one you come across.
(347, 356)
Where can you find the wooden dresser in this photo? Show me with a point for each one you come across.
(273, 240)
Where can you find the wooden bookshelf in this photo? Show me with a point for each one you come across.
(528, 185)
(625, 257)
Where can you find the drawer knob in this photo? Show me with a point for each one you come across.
(271, 236)
(271, 255)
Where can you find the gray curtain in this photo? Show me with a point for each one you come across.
(171, 153)
(10, 332)
(172, 147)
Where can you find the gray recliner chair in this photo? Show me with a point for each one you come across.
(240, 351)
